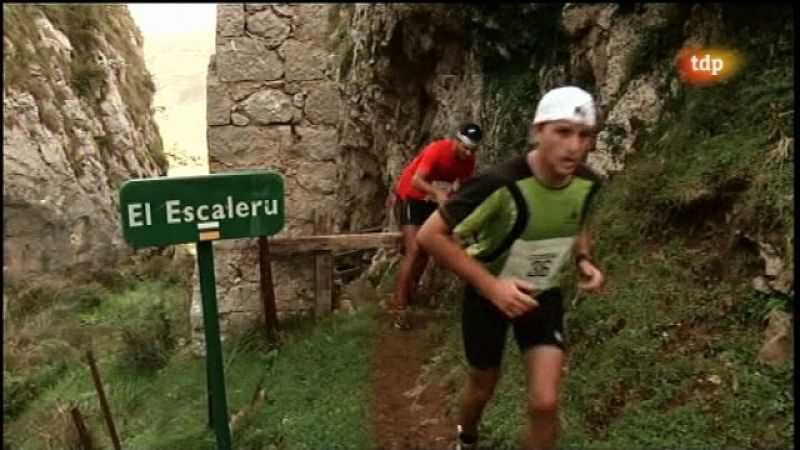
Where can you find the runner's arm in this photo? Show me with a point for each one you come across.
(429, 157)
(511, 296)
(583, 245)
(592, 278)
(435, 238)
(418, 181)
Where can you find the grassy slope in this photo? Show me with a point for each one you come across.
(666, 356)
(316, 384)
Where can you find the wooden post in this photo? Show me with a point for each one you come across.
(83, 434)
(267, 291)
(98, 384)
(323, 268)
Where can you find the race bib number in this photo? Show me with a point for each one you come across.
(538, 262)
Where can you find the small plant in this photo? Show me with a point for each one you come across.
(657, 45)
(104, 143)
(166, 268)
(156, 150)
(87, 77)
(18, 391)
(39, 90)
(148, 341)
(32, 296)
(84, 296)
(74, 157)
(50, 118)
(113, 279)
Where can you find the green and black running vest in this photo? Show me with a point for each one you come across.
(517, 226)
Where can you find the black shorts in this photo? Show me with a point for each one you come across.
(484, 327)
(414, 212)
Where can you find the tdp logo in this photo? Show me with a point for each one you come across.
(705, 66)
(715, 65)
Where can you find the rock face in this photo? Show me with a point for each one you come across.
(605, 42)
(400, 92)
(778, 347)
(76, 123)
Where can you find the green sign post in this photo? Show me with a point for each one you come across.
(202, 209)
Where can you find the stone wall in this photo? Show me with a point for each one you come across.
(272, 104)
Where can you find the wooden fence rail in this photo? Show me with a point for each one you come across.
(323, 245)
(333, 242)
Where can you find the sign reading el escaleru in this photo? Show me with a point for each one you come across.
(163, 211)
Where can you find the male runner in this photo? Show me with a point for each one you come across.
(523, 221)
(449, 160)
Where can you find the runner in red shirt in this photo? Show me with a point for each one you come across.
(449, 160)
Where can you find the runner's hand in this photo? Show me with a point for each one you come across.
(512, 296)
(591, 279)
(441, 196)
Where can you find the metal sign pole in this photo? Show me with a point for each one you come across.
(214, 372)
(202, 209)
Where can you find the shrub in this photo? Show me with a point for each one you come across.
(166, 268)
(87, 76)
(148, 340)
(84, 296)
(33, 296)
(114, 280)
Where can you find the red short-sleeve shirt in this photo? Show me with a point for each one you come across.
(437, 162)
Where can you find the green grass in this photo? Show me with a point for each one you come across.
(318, 388)
(316, 382)
(641, 356)
(643, 352)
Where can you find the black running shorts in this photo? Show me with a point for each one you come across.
(484, 327)
(414, 212)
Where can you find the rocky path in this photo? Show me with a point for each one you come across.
(407, 414)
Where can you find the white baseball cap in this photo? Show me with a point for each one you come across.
(566, 103)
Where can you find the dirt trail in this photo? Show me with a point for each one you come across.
(408, 415)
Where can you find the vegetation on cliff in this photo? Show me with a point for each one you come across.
(91, 29)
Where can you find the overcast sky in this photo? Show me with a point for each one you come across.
(178, 41)
(173, 18)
